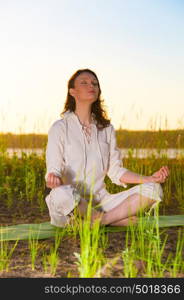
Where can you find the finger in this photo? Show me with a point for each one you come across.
(56, 181)
(48, 185)
(165, 175)
(50, 176)
(161, 177)
(168, 172)
(48, 179)
(51, 186)
(53, 182)
(52, 179)
(164, 171)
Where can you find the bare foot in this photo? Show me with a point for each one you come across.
(126, 222)
(96, 215)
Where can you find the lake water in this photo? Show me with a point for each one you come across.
(140, 153)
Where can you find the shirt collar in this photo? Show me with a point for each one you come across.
(71, 114)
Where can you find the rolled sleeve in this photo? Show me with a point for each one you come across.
(54, 150)
(116, 169)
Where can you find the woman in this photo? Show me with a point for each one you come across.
(81, 151)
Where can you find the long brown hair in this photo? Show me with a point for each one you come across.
(97, 107)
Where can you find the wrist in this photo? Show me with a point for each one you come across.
(148, 179)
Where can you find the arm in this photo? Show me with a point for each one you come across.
(54, 155)
(116, 169)
(131, 177)
(159, 176)
(120, 175)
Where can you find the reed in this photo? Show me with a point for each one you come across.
(33, 245)
(92, 243)
(22, 185)
(51, 260)
(6, 253)
(177, 262)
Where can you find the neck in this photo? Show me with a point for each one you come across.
(84, 115)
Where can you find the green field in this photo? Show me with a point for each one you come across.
(125, 139)
(146, 250)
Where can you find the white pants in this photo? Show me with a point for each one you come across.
(151, 190)
(63, 199)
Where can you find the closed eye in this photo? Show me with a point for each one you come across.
(94, 83)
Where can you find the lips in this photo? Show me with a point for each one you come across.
(92, 92)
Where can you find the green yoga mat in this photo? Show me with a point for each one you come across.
(46, 230)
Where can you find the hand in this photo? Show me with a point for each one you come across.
(53, 181)
(161, 175)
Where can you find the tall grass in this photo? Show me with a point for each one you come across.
(92, 243)
(22, 185)
(6, 252)
(33, 244)
(22, 179)
(145, 246)
(51, 260)
(177, 262)
(154, 138)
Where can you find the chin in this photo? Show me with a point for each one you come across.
(92, 98)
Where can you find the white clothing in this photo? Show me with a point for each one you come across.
(66, 155)
(84, 165)
(59, 212)
(87, 131)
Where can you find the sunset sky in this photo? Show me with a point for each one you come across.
(136, 48)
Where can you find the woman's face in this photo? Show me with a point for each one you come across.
(85, 88)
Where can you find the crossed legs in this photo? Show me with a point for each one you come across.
(125, 212)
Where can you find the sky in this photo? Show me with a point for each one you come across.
(135, 47)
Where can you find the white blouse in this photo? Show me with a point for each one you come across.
(81, 163)
(87, 130)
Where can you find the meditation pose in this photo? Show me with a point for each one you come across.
(81, 151)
